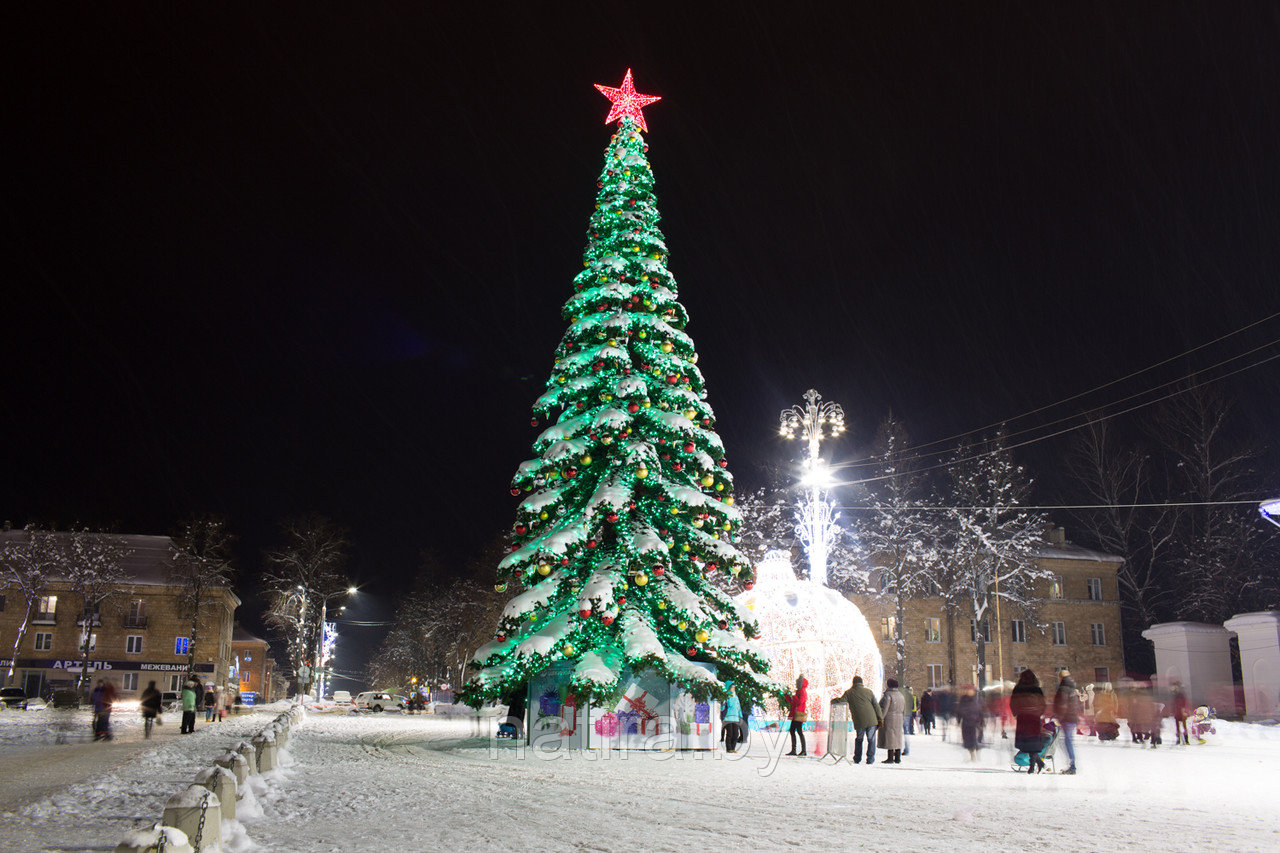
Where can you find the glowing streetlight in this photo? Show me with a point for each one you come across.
(815, 422)
(1270, 510)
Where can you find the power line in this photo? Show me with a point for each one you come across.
(1068, 506)
(951, 462)
(870, 460)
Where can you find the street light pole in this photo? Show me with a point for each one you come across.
(321, 650)
(816, 421)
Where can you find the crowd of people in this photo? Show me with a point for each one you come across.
(1040, 719)
(194, 697)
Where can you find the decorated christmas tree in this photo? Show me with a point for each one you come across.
(627, 515)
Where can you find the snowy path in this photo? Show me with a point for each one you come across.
(401, 782)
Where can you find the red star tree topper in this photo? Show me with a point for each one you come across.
(626, 102)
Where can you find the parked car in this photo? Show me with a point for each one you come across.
(13, 697)
(377, 701)
(342, 697)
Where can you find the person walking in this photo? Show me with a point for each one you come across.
(1066, 707)
(732, 720)
(972, 718)
(798, 702)
(928, 707)
(909, 708)
(103, 698)
(1104, 713)
(149, 704)
(1026, 703)
(190, 690)
(1180, 709)
(893, 706)
(210, 703)
(866, 716)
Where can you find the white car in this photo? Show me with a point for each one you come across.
(376, 701)
(341, 697)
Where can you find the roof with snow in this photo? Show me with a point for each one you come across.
(1067, 551)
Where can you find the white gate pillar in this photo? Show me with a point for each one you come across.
(1198, 656)
(1259, 635)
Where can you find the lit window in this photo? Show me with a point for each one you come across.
(1095, 589)
(933, 630)
(181, 645)
(1018, 629)
(1059, 631)
(1098, 631)
(887, 626)
(91, 643)
(1055, 587)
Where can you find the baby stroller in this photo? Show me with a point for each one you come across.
(1107, 730)
(1200, 723)
(1022, 760)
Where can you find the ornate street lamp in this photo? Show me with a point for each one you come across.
(817, 517)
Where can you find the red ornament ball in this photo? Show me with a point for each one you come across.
(584, 612)
(748, 585)
(633, 408)
(723, 624)
(723, 463)
(591, 543)
(515, 490)
(659, 571)
(688, 448)
(622, 599)
(501, 637)
(533, 422)
(611, 517)
(564, 561)
(691, 651)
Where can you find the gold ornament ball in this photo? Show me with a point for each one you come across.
(544, 569)
(568, 650)
(667, 346)
(682, 625)
(662, 605)
(641, 579)
(586, 460)
(641, 473)
(708, 480)
(702, 636)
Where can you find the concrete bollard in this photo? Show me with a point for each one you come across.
(236, 763)
(250, 755)
(168, 838)
(281, 734)
(265, 744)
(197, 812)
(222, 782)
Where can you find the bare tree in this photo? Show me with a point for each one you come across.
(1118, 480)
(307, 570)
(899, 537)
(96, 573)
(1220, 550)
(201, 564)
(990, 539)
(28, 564)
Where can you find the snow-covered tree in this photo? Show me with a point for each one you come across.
(309, 568)
(29, 560)
(95, 573)
(898, 536)
(627, 506)
(201, 563)
(990, 542)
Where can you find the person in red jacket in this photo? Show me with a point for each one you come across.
(797, 703)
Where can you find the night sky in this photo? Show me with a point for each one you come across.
(267, 261)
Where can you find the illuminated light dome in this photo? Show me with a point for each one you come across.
(808, 628)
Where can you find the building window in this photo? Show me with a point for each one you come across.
(173, 683)
(1017, 672)
(1055, 587)
(887, 626)
(1, 603)
(130, 681)
(932, 631)
(1059, 631)
(934, 671)
(47, 609)
(248, 658)
(133, 644)
(181, 645)
(89, 644)
(1018, 628)
(44, 642)
(1099, 634)
(986, 631)
(136, 616)
(1101, 674)
(1095, 589)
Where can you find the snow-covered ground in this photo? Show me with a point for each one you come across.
(416, 782)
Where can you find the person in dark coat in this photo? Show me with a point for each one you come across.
(928, 707)
(103, 698)
(971, 717)
(149, 704)
(798, 704)
(516, 708)
(1026, 703)
(866, 715)
(1180, 710)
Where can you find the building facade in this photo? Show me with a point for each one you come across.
(139, 634)
(254, 667)
(1076, 626)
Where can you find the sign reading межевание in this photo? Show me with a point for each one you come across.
(104, 665)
